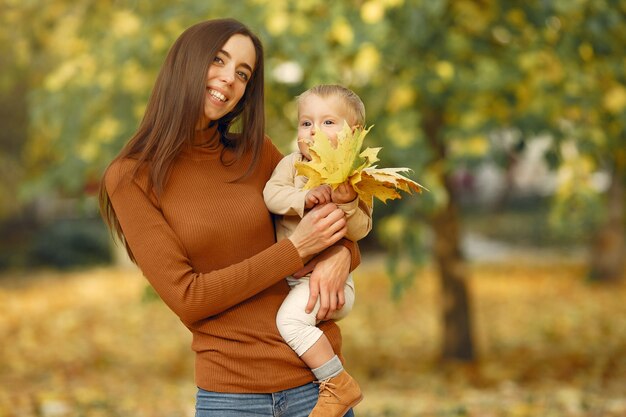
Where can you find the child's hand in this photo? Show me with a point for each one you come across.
(344, 193)
(318, 195)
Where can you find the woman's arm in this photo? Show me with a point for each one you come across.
(329, 272)
(163, 259)
(192, 294)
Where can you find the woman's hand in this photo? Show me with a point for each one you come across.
(328, 279)
(318, 229)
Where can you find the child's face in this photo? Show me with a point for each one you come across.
(321, 113)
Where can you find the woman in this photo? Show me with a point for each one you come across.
(185, 196)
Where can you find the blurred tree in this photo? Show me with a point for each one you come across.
(13, 114)
(92, 65)
(440, 79)
(589, 38)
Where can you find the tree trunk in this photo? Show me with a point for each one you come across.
(457, 321)
(456, 314)
(608, 246)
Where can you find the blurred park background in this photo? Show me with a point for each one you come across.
(500, 292)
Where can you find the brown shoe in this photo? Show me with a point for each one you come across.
(337, 395)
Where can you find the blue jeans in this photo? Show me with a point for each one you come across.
(294, 402)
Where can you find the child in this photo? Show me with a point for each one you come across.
(327, 108)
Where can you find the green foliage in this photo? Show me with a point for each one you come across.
(438, 78)
(71, 243)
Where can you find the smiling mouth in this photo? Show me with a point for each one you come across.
(221, 97)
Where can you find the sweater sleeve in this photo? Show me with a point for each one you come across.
(280, 193)
(159, 253)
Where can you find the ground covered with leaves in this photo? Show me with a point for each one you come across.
(92, 344)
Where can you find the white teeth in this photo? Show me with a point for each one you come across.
(217, 95)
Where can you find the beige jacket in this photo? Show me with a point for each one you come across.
(284, 195)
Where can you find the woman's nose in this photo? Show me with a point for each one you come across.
(227, 75)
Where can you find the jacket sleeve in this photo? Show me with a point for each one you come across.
(191, 294)
(280, 193)
(359, 219)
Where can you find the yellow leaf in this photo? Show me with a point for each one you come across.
(335, 164)
(368, 188)
(311, 173)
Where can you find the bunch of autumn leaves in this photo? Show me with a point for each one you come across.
(334, 165)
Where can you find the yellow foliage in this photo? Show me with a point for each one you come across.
(575, 173)
(103, 132)
(88, 150)
(393, 3)
(106, 130)
(158, 42)
(277, 22)
(341, 32)
(516, 17)
(501, 34)
(125, 23)
(80, 70)
(445, 70)
(65, 40)
(59, 78)
(372, 11)
(585, 50)
(391, 227)
(345, 162)
(475, 146)
(134, 78)
(474, 18)
(401, 97)
(105, 79)
(434, 86)
(472, 118)
(551, 67)
(22, 51)
(615, 99)
(401, 136)
(138, 110)
(300, 25)
(366, 61)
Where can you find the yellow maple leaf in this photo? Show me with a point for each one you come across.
(334, 164)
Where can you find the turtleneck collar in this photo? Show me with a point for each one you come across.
(206, 144)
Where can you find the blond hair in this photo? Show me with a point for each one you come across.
(353, 102)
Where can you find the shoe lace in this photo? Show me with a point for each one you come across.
(326, 388)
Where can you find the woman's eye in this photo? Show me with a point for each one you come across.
(243, 76)
(218, 60)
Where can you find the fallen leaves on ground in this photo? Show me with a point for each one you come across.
(550, 344)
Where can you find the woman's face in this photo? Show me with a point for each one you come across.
(228, 77)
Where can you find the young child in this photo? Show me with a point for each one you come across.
(324, 107)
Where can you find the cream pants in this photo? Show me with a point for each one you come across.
(296, 326)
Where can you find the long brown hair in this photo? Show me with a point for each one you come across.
(177, 103)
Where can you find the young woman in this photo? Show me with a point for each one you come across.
(185, 195)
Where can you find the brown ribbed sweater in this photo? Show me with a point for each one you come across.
(208, 249)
